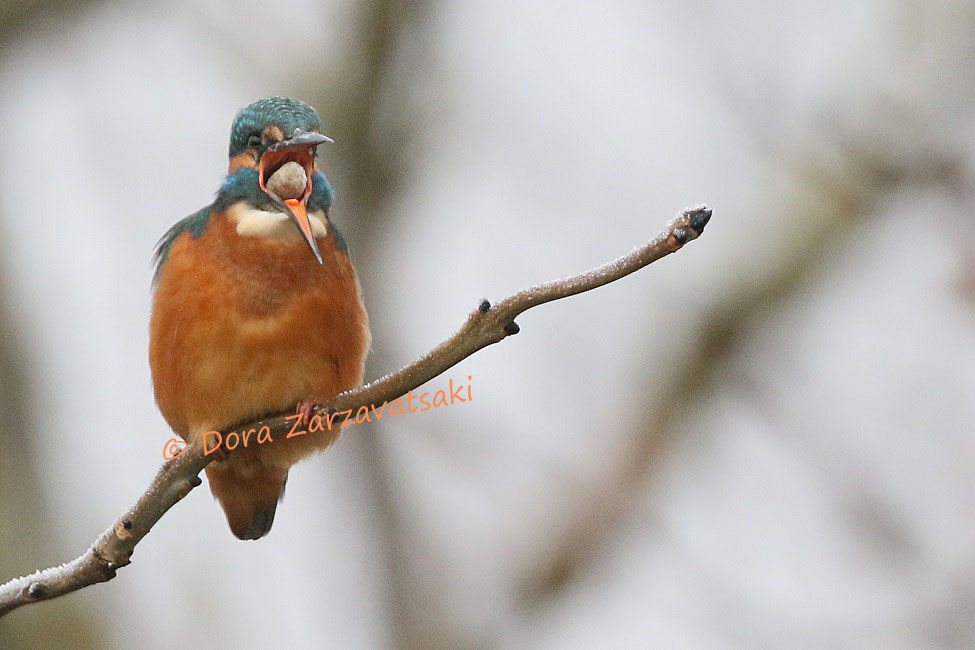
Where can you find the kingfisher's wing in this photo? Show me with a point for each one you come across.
(194, 224)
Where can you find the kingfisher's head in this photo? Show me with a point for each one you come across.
(277, 137)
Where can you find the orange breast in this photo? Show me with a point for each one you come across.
(244, 326)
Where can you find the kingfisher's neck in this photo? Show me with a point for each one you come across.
(244, 185)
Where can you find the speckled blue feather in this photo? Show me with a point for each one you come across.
(321, 197)
(284, 112)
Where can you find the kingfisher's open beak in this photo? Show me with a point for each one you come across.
(300, 149)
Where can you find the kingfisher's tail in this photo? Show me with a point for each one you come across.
(248, 492)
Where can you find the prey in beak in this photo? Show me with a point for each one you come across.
(285, 170)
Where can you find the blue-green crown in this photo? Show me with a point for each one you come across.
(284, 112)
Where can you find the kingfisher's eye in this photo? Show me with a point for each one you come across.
(254, 141)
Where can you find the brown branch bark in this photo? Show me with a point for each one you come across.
(487, 324)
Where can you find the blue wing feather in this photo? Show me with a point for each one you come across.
(194, 224)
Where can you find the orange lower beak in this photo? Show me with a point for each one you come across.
(300, 214)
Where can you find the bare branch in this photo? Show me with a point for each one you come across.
(487, 324)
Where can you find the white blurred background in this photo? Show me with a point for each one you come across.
(765, 440)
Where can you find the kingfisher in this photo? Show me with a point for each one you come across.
(256, 308)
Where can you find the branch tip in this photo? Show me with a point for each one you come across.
(512, 328)
(699, 216)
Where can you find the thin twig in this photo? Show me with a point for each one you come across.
(487, 324)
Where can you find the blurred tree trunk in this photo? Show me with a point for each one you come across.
(26, 528)
(372, 145)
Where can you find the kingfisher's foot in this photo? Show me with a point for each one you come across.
(219, 454)
(305, 410)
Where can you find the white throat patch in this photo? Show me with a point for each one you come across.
(252, 222)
